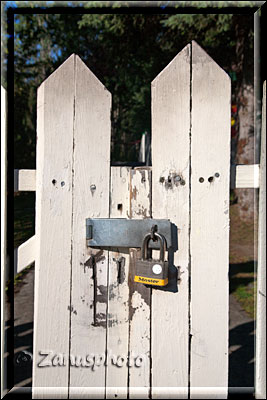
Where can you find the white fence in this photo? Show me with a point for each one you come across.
(180, 334)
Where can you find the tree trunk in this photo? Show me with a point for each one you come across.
(244, 93)
(245, 149)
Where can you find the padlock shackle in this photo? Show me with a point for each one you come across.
(147, 238)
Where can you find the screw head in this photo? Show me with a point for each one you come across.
(93, 187)
(177, 178)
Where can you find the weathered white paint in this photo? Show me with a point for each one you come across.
(209, 232)
(245, 176)
(55, 114)
(3, 234)
(140, 295)
(242, 176)
(118, 292)
(170, 199)
(24, 180)
(90, 194)
(260, 375)
(24, 255)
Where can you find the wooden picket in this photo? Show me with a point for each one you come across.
(209, 230)
(90, 191)
(54, 174)
(170, 199)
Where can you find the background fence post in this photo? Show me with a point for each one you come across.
(3, 234)
(260, 374)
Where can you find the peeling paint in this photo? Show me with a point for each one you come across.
(100, 320)
(143, 291)
(135, 192)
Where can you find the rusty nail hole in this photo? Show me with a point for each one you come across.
(201, 180)
(54, 181)
(169, 179)
(217, 174)
(161, 179)
(182, 182)
(120, 207)
(210, 179)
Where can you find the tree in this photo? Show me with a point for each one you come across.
(126, 52)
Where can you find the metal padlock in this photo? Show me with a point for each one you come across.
(152, 272)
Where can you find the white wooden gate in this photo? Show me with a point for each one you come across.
(86, 322)
(88, 319)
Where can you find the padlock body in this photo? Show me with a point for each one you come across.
(151, 272)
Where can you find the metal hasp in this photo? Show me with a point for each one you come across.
(122, 232)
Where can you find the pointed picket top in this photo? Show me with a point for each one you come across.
(83, 68)
(200, 56)
(184, 53)
(67, 67)
(70, 67)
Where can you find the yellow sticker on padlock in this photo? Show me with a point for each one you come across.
(151, 281)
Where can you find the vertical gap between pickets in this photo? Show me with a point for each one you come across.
(129, 305)
(109, 260)
(189, 230)
(72, 186)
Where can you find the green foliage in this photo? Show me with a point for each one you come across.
(125, 51)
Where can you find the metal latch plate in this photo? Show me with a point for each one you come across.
(122, 232)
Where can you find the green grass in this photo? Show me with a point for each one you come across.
(242, 264)
(245, 294)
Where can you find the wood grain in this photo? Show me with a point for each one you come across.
(55, 114)
(209, 233)
(170, 199)
(245, 176)
(118, 293)
(140, 295)
(90, 197)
